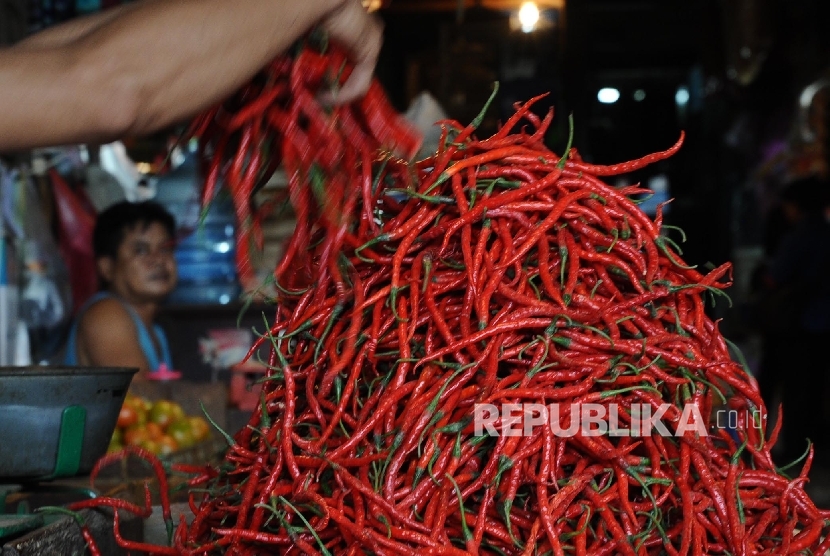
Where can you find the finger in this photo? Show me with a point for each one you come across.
(356, 86)
(362, 35)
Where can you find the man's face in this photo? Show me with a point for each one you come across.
(144, 269)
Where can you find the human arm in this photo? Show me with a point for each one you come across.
(65, 33)
(108, 337)
(161, 62)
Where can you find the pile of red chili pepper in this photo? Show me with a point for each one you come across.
(493, 272)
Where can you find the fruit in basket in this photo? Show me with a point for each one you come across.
(116, 442)
(167, 445)
(182, 433)
(151, 446)
(127, 416)
(161, 427)
(136, 435)
(154, 430)
(136, 405)
(200, 428)
(164, 412)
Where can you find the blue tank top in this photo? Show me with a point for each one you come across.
(144, 339)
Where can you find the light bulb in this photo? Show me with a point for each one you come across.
(682, 96)
(608, 95)
(528, 16)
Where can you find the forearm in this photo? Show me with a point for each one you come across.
(65, 33)
(153, 65)
(186, 68)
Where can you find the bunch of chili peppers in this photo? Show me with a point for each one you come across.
(493, 272)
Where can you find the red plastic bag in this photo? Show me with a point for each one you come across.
(76, 223)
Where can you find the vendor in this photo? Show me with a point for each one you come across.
(143, 66)
(134, 245)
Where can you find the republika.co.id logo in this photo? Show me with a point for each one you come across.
(594, 419)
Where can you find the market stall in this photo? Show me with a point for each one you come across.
(493, 344)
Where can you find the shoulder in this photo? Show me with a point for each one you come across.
(106, 317)
(108, 336)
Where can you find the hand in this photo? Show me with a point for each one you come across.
(362, 34)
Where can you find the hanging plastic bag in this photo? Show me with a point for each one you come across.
(76, 227)
(423, 112)
(115, 160)
(43, 303)
(45, 294)
(10, 234)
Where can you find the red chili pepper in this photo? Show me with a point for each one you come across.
(410, 292)
(91, 544)
(628, 167)
(139, 546)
